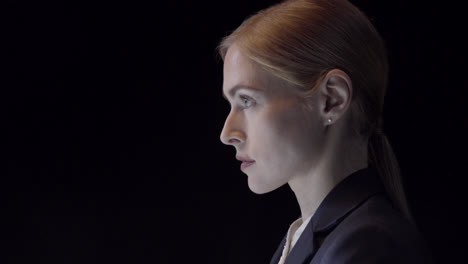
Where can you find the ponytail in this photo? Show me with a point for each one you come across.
(382, 157)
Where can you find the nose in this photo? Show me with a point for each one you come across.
(233, 133)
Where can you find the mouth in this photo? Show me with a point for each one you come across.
(246, 162)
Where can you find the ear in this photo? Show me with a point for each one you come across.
(335, 93)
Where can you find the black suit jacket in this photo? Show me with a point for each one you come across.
(356, 223)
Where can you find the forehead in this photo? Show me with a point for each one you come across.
(240, 70)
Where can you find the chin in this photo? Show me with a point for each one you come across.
(260, 187)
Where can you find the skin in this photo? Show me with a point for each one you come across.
(288, 142)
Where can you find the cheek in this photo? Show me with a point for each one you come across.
(286, 134)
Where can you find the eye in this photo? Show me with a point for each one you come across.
(246, 101)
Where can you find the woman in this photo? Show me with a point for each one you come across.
(306, 81)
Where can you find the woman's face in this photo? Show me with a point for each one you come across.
(268, 125)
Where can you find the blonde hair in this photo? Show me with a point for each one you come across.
(299, 41)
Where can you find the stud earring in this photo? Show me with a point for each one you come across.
(329, 120)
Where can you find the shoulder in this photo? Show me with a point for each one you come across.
(373, 233)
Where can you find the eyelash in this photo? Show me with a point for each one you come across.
(246, 98)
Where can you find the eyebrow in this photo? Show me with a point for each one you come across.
(236, 87)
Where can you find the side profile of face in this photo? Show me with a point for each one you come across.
(268, 125)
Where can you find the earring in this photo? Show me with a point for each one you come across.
(329, 120)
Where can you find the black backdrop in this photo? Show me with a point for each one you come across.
(112, 113)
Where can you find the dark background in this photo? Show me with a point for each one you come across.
(112, 113)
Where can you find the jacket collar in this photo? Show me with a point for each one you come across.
(344, 198)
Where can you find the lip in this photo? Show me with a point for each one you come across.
(244, 159)
(245, 165)
(246, 162)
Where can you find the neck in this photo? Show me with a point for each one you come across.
(311, 188)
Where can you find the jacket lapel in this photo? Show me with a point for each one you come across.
(304, 249)
(344, 198)
(276, 257)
